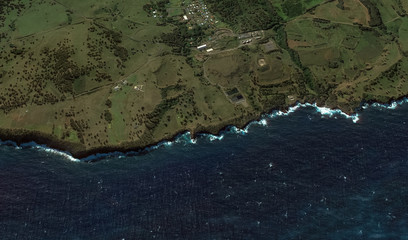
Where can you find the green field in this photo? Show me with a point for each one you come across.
(292, 8)
(351, 11)
(175, 8)
(128, 73)
(403, 34)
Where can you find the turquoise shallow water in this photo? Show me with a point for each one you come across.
(296, 177)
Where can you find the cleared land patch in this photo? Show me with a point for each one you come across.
(348, 12)
(226, 70)
(403, 34)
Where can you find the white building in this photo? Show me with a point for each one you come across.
(202, 47)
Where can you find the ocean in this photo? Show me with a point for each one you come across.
(301, 176)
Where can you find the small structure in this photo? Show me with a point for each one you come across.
(261, 62)
(185, 17)
(270, 46)
(246, 41)
(138, 88)
(202, 47)
(237, 99)
(244, 35)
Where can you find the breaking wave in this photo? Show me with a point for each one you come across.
(56, 152)
(186, 138)
(392, 105)
(40, 147)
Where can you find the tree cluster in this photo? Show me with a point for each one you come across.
(245, 15)
(182, 39)
(375, 15)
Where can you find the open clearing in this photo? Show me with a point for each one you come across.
(351, 11)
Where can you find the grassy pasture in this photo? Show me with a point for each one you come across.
(405, 5)
(227, 43)
(168, 73)
(350, 42)
(226, 70)
(369, 47)
(391, 83)
(41, 17)
(174, 12)
(388, 10)
(292, 8)
(365, 45)
(364, 55)
(319, 56)
(117, 130)
(275, 71)
(303, 31)
(89, 9)
(403, 35)
(90, 47)
(353, 12)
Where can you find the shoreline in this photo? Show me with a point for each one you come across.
(77, 152)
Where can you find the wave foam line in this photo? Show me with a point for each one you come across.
(181, 138)
(44, 148)
(56, 152)
(10, 143)
(324, 111)
(187, 137)
(392, 105)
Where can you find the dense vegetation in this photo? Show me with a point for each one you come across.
(292, 8)
(245, 15)
(375, 16)
(159, 6)
(181, 39)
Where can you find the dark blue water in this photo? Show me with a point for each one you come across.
(299, 177)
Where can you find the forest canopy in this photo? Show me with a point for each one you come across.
(245, 15)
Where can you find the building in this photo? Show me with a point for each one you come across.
(270, 46)
(202, 47)
(185, 17)
(244, 35)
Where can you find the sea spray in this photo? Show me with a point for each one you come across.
(56, 152)
(46, 149)
(392, 105)
(186, 137)
(324, 111)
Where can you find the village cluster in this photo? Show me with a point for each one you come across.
(197, 13)
(124, 82)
